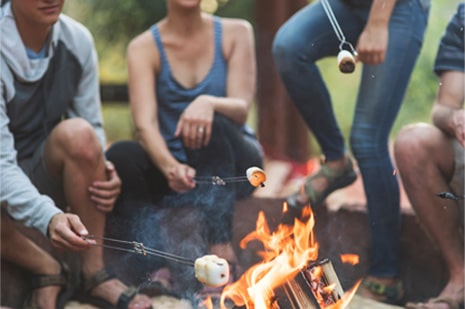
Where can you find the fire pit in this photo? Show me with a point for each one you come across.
(290, 274)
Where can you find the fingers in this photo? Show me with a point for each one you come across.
(105, 193)
(181, 178)
(195, 136)
(371, 57)
(207, 136)
(67, 231)
(195, 133)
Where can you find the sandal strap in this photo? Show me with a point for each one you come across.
(99, 277)
(336, 179)
(392, 292)
(125, 298)
(61, 279)
(40, 281)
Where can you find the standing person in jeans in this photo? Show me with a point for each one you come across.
(192, 79)
(388, 36)
(431, 159)
(51, 154)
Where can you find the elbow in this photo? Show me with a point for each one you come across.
(244, 112)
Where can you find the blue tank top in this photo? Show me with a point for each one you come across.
(173, 98)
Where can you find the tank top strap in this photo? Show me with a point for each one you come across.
(161, 50)
(218, 38)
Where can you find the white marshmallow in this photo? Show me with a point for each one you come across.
(212, 270)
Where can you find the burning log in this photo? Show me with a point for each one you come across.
(314, 287)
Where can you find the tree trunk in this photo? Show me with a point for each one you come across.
(281, 130)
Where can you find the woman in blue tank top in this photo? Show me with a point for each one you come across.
(192, 79)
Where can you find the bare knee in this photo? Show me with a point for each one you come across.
(415, 142)
(76, 139)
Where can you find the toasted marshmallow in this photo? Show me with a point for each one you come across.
(346, 61)
(256, 176)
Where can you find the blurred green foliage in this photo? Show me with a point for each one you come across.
(114, 23)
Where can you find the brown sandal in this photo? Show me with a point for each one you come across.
(39, 281)
(99, 277)
(336, 178)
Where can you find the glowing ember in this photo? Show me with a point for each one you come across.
(287, 251)
(207, 303)
(351, 259)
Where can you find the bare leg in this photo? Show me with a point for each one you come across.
(425, 158)
(74, 156)
(18, 249)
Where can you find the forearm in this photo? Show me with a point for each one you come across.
(155, 146)
(234, 108)
(380, 12)
(443, 118)
(447, 113)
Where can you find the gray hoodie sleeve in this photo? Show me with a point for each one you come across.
(87, 102)
(21, 198)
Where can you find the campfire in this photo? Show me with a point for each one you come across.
(290, 274)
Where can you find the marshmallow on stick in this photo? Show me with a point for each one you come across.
(212, 270)
(346, 61)
(256, 176)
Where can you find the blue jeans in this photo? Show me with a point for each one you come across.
(307, 37)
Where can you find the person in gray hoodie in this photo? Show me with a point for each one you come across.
(52, 151)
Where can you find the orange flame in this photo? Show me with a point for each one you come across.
(286, 251)
(345, 300)
(352, 259)
(207, 303)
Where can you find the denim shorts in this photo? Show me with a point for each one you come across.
(450, 56)
(34, 167)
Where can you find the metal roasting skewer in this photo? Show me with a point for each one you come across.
(217, 180)
(139, 248)
(337, 29)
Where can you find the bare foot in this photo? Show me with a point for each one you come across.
(452, 292)
(45, 297)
